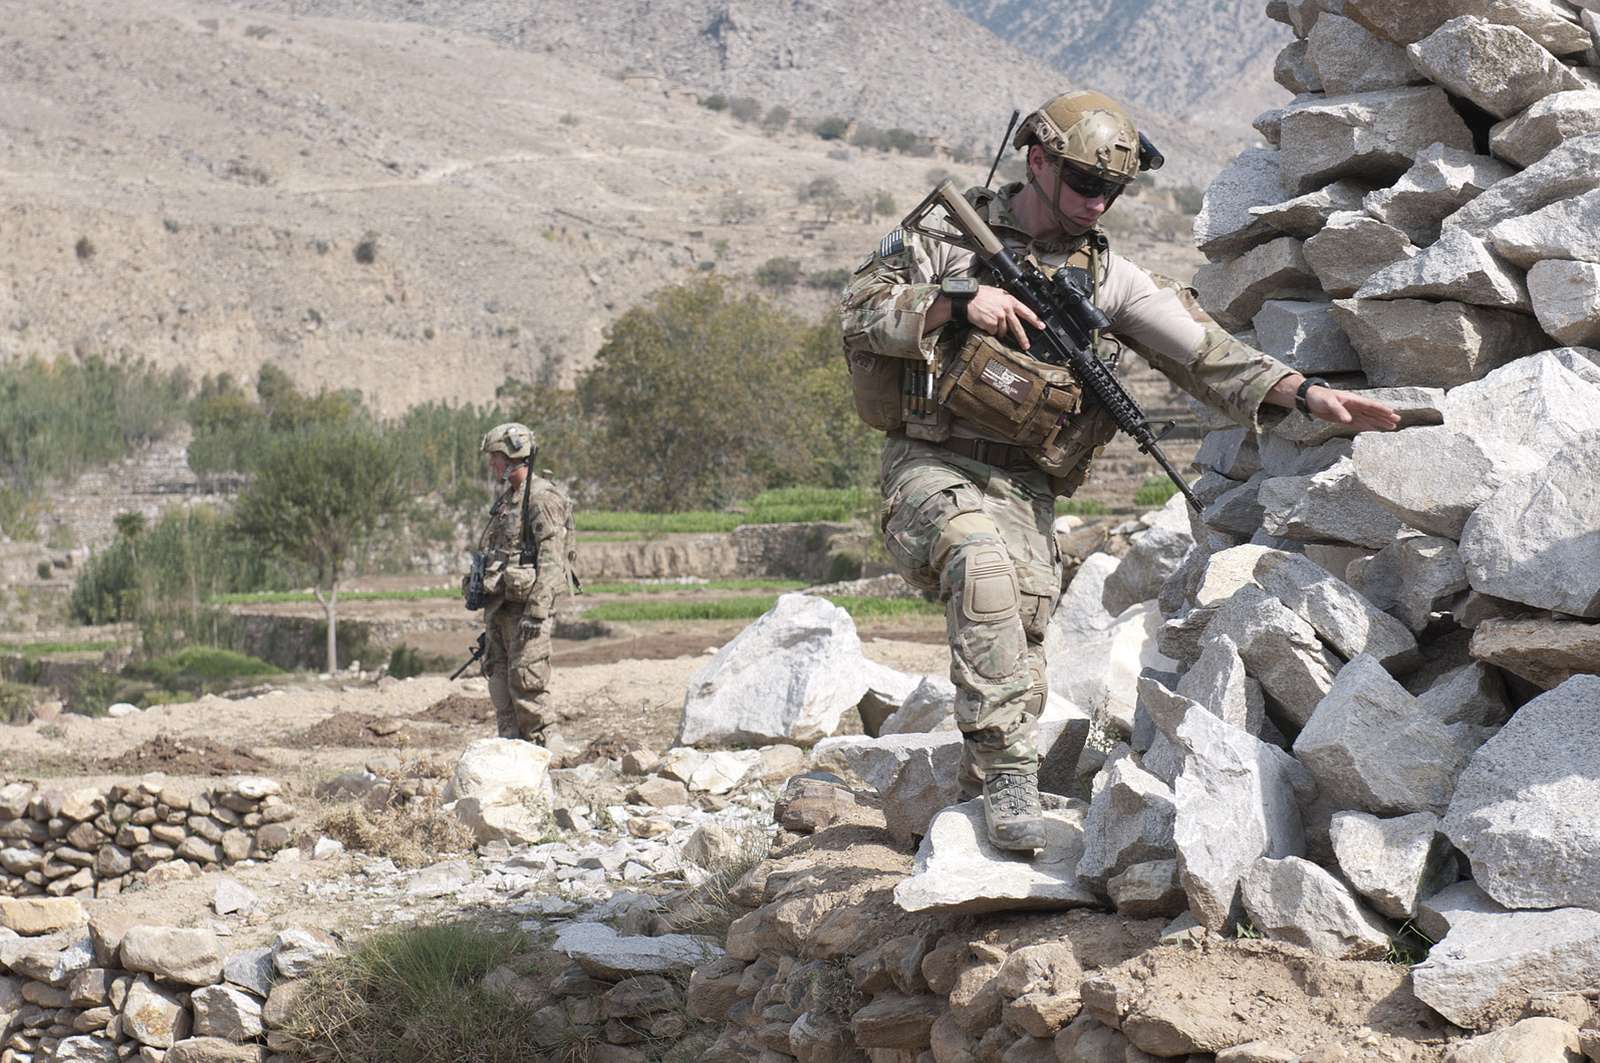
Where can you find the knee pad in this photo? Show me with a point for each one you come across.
(984, 615)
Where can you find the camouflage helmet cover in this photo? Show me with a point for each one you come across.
(513, 440)
(1088, 129)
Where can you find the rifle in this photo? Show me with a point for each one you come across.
(478, 651)
(476, 599)
(1067, 310)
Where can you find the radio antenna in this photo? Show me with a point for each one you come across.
(1015, 114)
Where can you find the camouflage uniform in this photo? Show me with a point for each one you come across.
(977, 525)
(517, 618)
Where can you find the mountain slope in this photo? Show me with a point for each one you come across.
(1200, 61)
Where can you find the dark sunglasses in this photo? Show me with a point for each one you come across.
(1089, 186)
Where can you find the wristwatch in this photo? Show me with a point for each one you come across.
(1305, 386)
(959, 290)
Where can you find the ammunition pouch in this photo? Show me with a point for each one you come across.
(517, 582)
(875, 384)
(1006, 394)
(473, 586)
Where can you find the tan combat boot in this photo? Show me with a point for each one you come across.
(1011, 812)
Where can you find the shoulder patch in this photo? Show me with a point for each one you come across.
(892, 244)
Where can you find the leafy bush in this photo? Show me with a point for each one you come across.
(16, 702)
(745, 108)
(776, 118)
(715, 102)
(406, 661)
(828, 279)
(201, 669)
(832, 128)
(781, 273)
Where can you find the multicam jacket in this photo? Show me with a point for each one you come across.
(549, 520)
(883, 308)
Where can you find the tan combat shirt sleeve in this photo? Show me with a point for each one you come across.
(1161, 320)
(547, 512)
(884, 307)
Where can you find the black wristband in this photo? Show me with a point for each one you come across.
(1300, 393)
(958, 307)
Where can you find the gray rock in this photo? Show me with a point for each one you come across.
(1129, 822)
(1350, 58)
(1567, 228)
(1269, 124)
(1526, 811)
(1432, 578)
(1439, 183)
(1426, 344)
(1305, 337)
(1533, 134)
(1233, 291)
(1538, 405)
(1225, 226)
(225, 1012)
(1338, 614)
(85, 1048)
(1149, 890)
(53, 960)
(791, 675)
(1279, 649)
(297, 951)
(1436, 912)
(1569, 170)
(1393, 863)
(1238, 799)
(916, 775)
(251, 969)
(604, 953)
(1566, 300)
(1471, 693)
(499, 769)
(153, 1015)
(1296, 901)
(1352, 247)
(1218, 682)
(929, 707)
(1465, 473)
(1499, 68)
(1459, 266)
(440, 880)
(1490, 965)
(1154, 554)
(1294, 71)
(1282, 457)
(1101, 670)
(229, 897)
(957, 871)
(1537, 539)
(188, 957)
(1304, 216)
(1230, 452)
(1408, 21)
(1237, 511)
(1368, 135)
(1415, 405)
(1536, 1040)
(1544, 652)
(1371, 748)
(1329, 507)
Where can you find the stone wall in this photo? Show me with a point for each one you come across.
(96, 841)
(81, 990)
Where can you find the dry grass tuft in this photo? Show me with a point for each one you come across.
(412, 833)
(709, 907)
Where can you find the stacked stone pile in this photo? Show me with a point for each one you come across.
(96, 841)
(80, 990)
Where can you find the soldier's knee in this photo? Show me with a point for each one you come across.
(984, 610)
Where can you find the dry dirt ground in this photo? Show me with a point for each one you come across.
(305, 735)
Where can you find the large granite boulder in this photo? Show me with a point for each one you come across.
(1369, 135)
(1225, 227)
(1393, 863)
(1526, 810)
(790, 676)
(1413, 342)
(1296, 901)
(1533, 134)
(1439, 183)
(1499, 68)
(1351, 247)
(1566, 229)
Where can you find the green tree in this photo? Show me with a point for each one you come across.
(318, 495)
(701, 397)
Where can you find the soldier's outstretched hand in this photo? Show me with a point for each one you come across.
(998, 312)
(1351, 408)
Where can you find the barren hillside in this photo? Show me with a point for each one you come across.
(414, 211)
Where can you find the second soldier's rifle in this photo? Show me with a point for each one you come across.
(1064, 305)
(478, 650)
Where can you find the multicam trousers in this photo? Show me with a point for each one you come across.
(982, 536)
(517, 664)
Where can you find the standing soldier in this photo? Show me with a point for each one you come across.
(524, 551)
(969, 497)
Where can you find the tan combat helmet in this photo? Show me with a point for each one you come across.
(1087, 129)
(513, 440)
